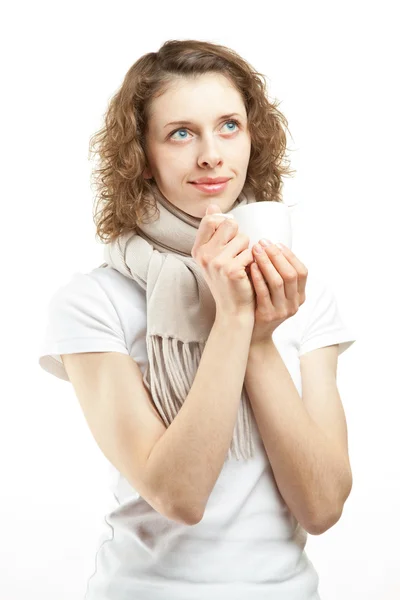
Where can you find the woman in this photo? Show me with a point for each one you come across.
(198, 362)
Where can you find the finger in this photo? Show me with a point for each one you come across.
(212, 208)
(275, 282)
(300, 267)
(288, 272)
(261, 288)
(208, 226)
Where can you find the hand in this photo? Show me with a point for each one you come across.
(223, 254)
(279, 284)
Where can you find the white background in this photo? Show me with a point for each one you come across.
(334, 67)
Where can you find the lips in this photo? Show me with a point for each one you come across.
(210, 180)
(211, 188)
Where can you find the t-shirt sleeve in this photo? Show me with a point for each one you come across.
(324, 324)
(80, 318)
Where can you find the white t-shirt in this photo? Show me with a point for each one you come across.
(248, 544)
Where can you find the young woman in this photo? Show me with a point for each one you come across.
(206, 370)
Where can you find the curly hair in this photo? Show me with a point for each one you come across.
(123, 195)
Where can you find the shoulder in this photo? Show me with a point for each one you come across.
(120, 290)
(98, 311)
(320, 295)
(105, 287)
(316, 289)
(322, 321)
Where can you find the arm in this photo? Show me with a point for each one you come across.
(188, 458)
(311, 471)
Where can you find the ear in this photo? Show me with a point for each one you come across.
(147, 173)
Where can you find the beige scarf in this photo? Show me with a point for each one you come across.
(180, 309)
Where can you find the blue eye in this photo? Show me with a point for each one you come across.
(179, 131)
(234, 122)
(185, 130)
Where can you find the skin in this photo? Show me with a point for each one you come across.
(304, 437)
(208, 147)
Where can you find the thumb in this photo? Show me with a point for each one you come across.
(213, 208)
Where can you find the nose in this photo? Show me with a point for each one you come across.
(209, 154)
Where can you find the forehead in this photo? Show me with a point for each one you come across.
(206, 96)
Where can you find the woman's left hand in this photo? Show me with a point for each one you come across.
(279, 284)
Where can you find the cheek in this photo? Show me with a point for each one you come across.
(172, 170)
(163, 164)
(173, 158)
(241, 150)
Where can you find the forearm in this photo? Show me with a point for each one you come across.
(188, 458)
(309, 473)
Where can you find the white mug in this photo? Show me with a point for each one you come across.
(265, 219)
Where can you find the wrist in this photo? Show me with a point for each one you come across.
(243, 320)
(260, 346)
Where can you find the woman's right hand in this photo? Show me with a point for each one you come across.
(223, 254)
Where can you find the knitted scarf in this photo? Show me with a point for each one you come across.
(180, 309)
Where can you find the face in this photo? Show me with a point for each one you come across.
(209, 144)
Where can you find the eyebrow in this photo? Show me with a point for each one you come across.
(191, 123)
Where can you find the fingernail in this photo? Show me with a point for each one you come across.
(227, 216)
(265, 242)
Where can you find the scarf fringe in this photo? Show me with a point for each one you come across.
(169, 376)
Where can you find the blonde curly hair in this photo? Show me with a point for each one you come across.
(123, 196)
